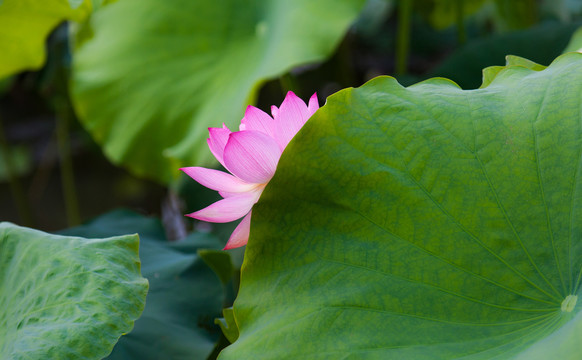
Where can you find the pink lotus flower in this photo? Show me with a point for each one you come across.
(251, 155)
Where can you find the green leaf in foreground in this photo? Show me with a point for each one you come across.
(228, 324)
(25, 26)
(159, 73)
(66, 297)
(185, 295)
(491, 72)
(423, 223)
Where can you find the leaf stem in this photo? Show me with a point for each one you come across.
(403, 35)
(22, 207)
(66, 163)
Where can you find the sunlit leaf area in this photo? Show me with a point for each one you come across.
(307, 179)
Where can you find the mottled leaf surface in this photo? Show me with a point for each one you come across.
(185, 295)
(66, 297)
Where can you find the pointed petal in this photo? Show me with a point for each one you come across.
(313, 105)
(257, 119)
(252, 156)
(218, 180)
(228, 209)
(292, 115)
(240, 235)
(274, 111)
(217, 141)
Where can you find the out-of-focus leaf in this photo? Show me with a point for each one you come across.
(444, 12)
(66, 297)
(185, 295)
(5, 84)
(575, 43)
(75, 3)
(219, 261)
(425, 222)
(157, 74)
(25, 26)
(372, 16)
(573, 6)
(19, 159)
(517, 14)
(540, 44)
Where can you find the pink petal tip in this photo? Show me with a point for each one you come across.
(240, 235)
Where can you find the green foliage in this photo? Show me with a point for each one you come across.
(66, 297)
(503, 15)
(219, 261)
(76, 3)
(25, 26)
(575, 43)
(445, 13)
(517, 14)
(185, 295)
(157, 74)
(423, 222)
(20, 160)
(510, 60)
(228, 324)
(5, 84)
(465, 64)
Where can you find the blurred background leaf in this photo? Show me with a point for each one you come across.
(19, 158)
(5, 84)
(25, 27)
(442, 14)
(159, 74)
(465, 64)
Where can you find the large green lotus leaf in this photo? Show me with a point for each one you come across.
(185, 295)
(157, 74)
(66, 297)
(25, 24)
(425, 222)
